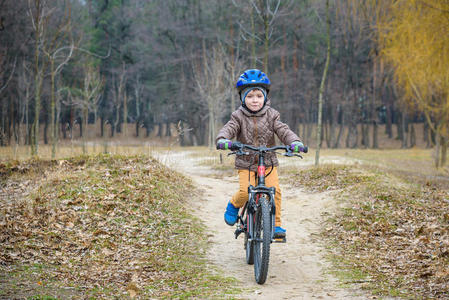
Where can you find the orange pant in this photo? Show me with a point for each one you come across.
(241, 197)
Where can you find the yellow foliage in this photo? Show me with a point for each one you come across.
(414, 38)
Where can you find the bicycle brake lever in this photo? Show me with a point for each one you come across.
(290, 154)
(231, 153)
(242, 153)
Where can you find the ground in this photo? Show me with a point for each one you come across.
(298, 269)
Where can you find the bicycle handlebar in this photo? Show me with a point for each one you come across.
(265, 149)
(238, 149)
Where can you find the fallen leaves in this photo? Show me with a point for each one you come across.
(394, 231)
(109, 225)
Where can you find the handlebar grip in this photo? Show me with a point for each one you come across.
(306, 149)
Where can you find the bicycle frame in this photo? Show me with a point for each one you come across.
(253, 191)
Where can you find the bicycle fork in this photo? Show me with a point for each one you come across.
(251, 206)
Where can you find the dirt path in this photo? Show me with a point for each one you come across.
(297, 268)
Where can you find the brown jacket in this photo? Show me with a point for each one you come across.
(257, 129)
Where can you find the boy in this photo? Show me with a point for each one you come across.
(255, 123)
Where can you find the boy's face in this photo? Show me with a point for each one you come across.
(254, 100)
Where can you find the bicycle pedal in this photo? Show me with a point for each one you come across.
(237, 232)
(280, 240)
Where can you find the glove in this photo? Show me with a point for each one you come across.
(297, 146)
(224, 144)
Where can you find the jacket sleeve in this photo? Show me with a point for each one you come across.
(230, 129)
(284, 133)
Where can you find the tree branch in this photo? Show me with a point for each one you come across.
(10, 76)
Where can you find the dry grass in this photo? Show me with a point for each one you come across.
(392, 234)
(101, 227)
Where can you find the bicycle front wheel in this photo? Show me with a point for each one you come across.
(262, 240)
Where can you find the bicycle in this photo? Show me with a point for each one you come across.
(257, 218)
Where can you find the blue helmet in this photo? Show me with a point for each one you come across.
(253, 77)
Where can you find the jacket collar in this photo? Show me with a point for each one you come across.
(257, 114)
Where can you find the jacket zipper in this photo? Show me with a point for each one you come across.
(256, 140)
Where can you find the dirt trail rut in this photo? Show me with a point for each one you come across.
(297, 268)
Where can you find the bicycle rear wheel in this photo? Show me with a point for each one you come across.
(262, 240)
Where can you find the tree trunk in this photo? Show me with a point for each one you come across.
(353, 135)
(167, 129)
(399, 124)
(412, 136)
(426, 134)
(373, 113)
(404, 128)
(29, 134)
(365, 137)
(11, 121)
(266, 42)
(27, 123)
(58, 119)
(85, 121)
(112, 130)
(102, 126)
(147, 131)
(72, 119)
(38, 79)
(64, 130)
(37, 108)
(3, 124)
(253, 39)
(159, 130)
(323, 80)
(375, 135)
(437, 151)
(116, 121)
(125, 114)
(52, 110)
(340, 130)
(45, 131)
(444, 142)
(181, 134)
(81, 128)
(388, 125)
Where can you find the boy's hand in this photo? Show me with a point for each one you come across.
(298, 147)
(224, 144)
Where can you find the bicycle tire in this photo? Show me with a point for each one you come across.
(262, 243)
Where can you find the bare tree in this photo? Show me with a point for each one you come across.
(47, 38)
(267, 12)
(323, 80)
(54, 71)
(88, 97)
(211, 81)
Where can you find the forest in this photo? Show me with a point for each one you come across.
(133, 67)
(112, 187)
